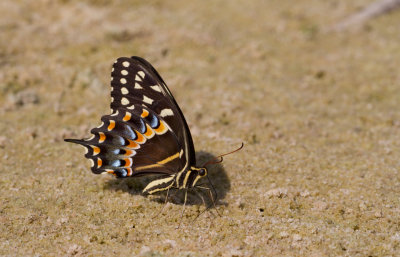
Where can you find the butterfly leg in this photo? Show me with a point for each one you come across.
(183, 209)
(165, 203)
(211, 197)
(204, 202)
(201, 197)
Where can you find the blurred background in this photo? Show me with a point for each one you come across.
(311, 87)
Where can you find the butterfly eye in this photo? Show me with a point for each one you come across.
(202, 172)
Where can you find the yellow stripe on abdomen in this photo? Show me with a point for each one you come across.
(159, 185)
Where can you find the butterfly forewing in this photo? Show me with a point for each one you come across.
(135, 81)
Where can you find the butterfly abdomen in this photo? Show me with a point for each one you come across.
(160, 184)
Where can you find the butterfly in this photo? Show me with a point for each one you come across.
(146, 132)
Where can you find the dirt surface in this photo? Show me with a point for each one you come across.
(318, 112)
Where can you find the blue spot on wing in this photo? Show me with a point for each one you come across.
(130, 133)
(121, 140)
(123, 172)
(142, 126)
(115, 163)
(154, 122)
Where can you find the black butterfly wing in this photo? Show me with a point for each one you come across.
(134, 80)
(146, 132)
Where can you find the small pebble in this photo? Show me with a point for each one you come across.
(297, 237)
(24, 98)
(277, 192)
(74, 249)
(362, 206)
(320, 206)
(284, 234)
(3, 140)
(378, 214)
(304, 193)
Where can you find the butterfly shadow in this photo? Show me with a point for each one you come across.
(196, 196)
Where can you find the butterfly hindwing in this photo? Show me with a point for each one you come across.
(146, 132)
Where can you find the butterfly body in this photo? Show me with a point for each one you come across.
(182, 180)
(146, 132)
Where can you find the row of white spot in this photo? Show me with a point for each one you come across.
(138, 78)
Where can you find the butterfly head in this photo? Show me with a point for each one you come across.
(202, 172)
(194, 174)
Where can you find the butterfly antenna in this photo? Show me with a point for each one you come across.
(215, 160)
(183, 209)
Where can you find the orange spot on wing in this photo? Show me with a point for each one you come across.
(140, 138)
(111, 126)
(96, 150)
(128, 162)
(102, 137)
(145, 113)
(161, 129)
(132, 144)
(129, 152)
(127, 116)
(111, 172)
(149, 131)
(129, 172)
(99, 162)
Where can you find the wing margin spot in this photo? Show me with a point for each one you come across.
(137, 86)
(124, 101)
(124, 91)
(156, 88)
(166, 112)
(147, 100)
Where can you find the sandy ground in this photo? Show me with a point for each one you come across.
(318, 112)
